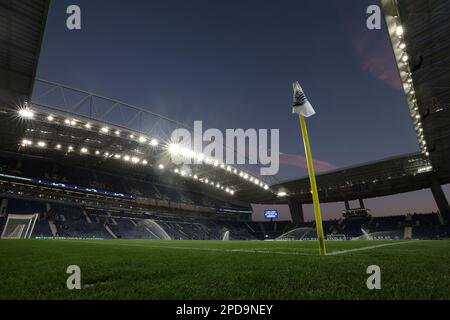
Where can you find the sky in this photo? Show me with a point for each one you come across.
(231, 64)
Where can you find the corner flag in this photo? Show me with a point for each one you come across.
(301, 104)
(303, 108)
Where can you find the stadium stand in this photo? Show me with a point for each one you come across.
(79, 221)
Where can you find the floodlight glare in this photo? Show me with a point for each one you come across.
(26, 113)
(26, 142)
(174, 148)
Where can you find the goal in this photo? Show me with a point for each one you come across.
(19, 226)
(336, 237)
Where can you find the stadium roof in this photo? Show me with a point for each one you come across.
(424, 43)
(22, 25)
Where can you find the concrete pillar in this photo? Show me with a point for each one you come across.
(441, 200)
(296, 209)
(361, 204)
(347, 205)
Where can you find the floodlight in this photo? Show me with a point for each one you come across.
(26, 113)
(174, 148)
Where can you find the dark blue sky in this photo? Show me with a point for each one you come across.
(231, 64)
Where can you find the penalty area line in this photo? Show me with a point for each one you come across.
(334, 253)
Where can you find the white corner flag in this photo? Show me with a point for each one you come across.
(301, 104)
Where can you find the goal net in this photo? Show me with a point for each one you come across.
(19, 226)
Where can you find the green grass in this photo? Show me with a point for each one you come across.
(126, 269)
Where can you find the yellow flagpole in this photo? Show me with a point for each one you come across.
(312, 179)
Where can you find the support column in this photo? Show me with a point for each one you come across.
(296, 209)
(441, 200)
(361, 204)
(347, 205)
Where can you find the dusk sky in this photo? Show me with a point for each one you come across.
(231, 65)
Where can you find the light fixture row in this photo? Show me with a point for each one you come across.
(409, 89)
(177, 150)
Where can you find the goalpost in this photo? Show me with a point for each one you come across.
(19, 226)
(336, 237)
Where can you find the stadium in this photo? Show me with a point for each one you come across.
(88, 180)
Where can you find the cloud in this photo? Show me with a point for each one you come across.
(377, 58)
(300, 161)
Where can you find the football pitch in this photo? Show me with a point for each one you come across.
(140, 269)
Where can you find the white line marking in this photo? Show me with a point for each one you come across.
(258, 250)
(333, 253)
(194, 248)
